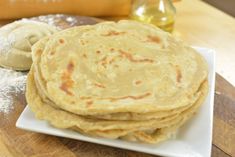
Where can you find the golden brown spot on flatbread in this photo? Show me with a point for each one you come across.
(67, 81)
(99, 85)
(98, 52)
(154, 39)
(61, 41)
(64, 87)
(39, 52)
(82, 42)
(112, 60)
(84, 55)
(178, 74)
(138, 82)
(112, 49)
(103, 61)
(132, 59)
(113, 33)
(116, 66)
(52, 52)
(131, 97)
(85, 97)
(89, 103)
(70, 67)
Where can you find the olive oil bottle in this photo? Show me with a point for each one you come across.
(158, 12)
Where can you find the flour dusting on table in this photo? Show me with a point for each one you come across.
(12, 83)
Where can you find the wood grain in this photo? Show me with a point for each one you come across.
(224, 88)
(216, 152)
(224, 124)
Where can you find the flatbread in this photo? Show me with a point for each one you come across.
(48, 112)
(40, 83)
(162, 134)
(155, 72)
(105, 128)
(124, 80)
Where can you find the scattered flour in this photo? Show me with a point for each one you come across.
(11, 84)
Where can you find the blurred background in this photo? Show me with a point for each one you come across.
(12, 9)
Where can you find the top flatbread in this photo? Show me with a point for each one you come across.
(118, 67)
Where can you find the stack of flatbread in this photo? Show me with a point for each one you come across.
(124, 80)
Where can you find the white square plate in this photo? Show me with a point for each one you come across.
(194, 139)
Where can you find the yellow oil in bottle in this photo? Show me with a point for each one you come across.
(155, 13)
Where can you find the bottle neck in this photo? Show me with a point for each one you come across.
(161, 5)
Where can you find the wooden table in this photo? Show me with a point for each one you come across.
(203, 25)
(192, 25)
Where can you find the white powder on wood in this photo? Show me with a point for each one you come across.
(12, 83)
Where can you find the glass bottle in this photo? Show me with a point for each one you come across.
(158, 12)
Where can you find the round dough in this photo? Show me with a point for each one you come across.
(16, 40)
